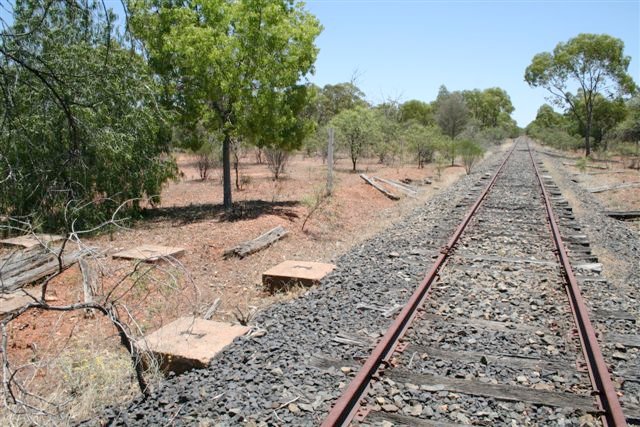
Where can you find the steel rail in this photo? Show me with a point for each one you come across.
(598, 371)
(347, 405)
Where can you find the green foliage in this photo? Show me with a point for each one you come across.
(82, 132)
(629, 129)
(555, 137)
(333, 99)
(234, 66)
(449, 150)
(594, 62)
(491, 107)
(386, 146)
(357, 131)
(547, 117)
(452, 114)
(417, 111)
(207, 157)
(423, 141)
(277, 160)
(607, 114)
(581, 164)
(470, 152)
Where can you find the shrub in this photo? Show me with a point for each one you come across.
(277, 160)
(207, 158)
(471, 152)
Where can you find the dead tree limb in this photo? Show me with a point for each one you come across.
(257, 244)
(110, 311)
(211, 311)
(614, 187)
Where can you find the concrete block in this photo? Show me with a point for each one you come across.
(189, 343)
(290, 273)
(31, 240)
(149, 253)
(17, 299)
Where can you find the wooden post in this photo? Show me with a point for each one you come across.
(330, 162)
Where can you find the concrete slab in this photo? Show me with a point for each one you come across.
(149, 253)
(19, 298)
(289, 273)
(189, 342)
(31, 240)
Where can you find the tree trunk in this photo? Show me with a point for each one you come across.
(587, 136)
(236, 163)
(226, 170)
(453, 151)
(354, 161)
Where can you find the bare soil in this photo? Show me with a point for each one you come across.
(190, 216)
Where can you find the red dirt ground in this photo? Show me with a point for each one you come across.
(190, 216)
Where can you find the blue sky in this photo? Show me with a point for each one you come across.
(407, 49)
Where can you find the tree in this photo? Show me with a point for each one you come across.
(423, 141)
(470, 153)
(357, 132)
(386, 147)
(629, 130)
(607, 114)
(490, 107)
(419, 111)
(230, 63)
(452, 114)
(334, 99)
(594, 62)
(81, 130)
(547, 117)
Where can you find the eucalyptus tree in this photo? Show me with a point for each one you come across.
(594, 63)
(452, 117)
(424, 141)
(333, 99)
(357, 131)
(81, 131)
(419, 111)
(490, 107)
(607, 114)
(453, 114)
(231, 64)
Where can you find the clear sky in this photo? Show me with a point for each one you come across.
(407, 49)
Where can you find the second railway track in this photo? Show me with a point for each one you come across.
(498, 332)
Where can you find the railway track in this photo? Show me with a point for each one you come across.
(498, 328)
(493, 343)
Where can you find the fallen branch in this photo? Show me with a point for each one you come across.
(257, 244)
(372, 183)
(615, 187)
(212, 310)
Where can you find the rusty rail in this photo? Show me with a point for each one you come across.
(606, 396)
(348, 404)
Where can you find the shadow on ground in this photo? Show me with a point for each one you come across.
(244, 210)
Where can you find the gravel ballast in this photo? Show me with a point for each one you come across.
(303, 353)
